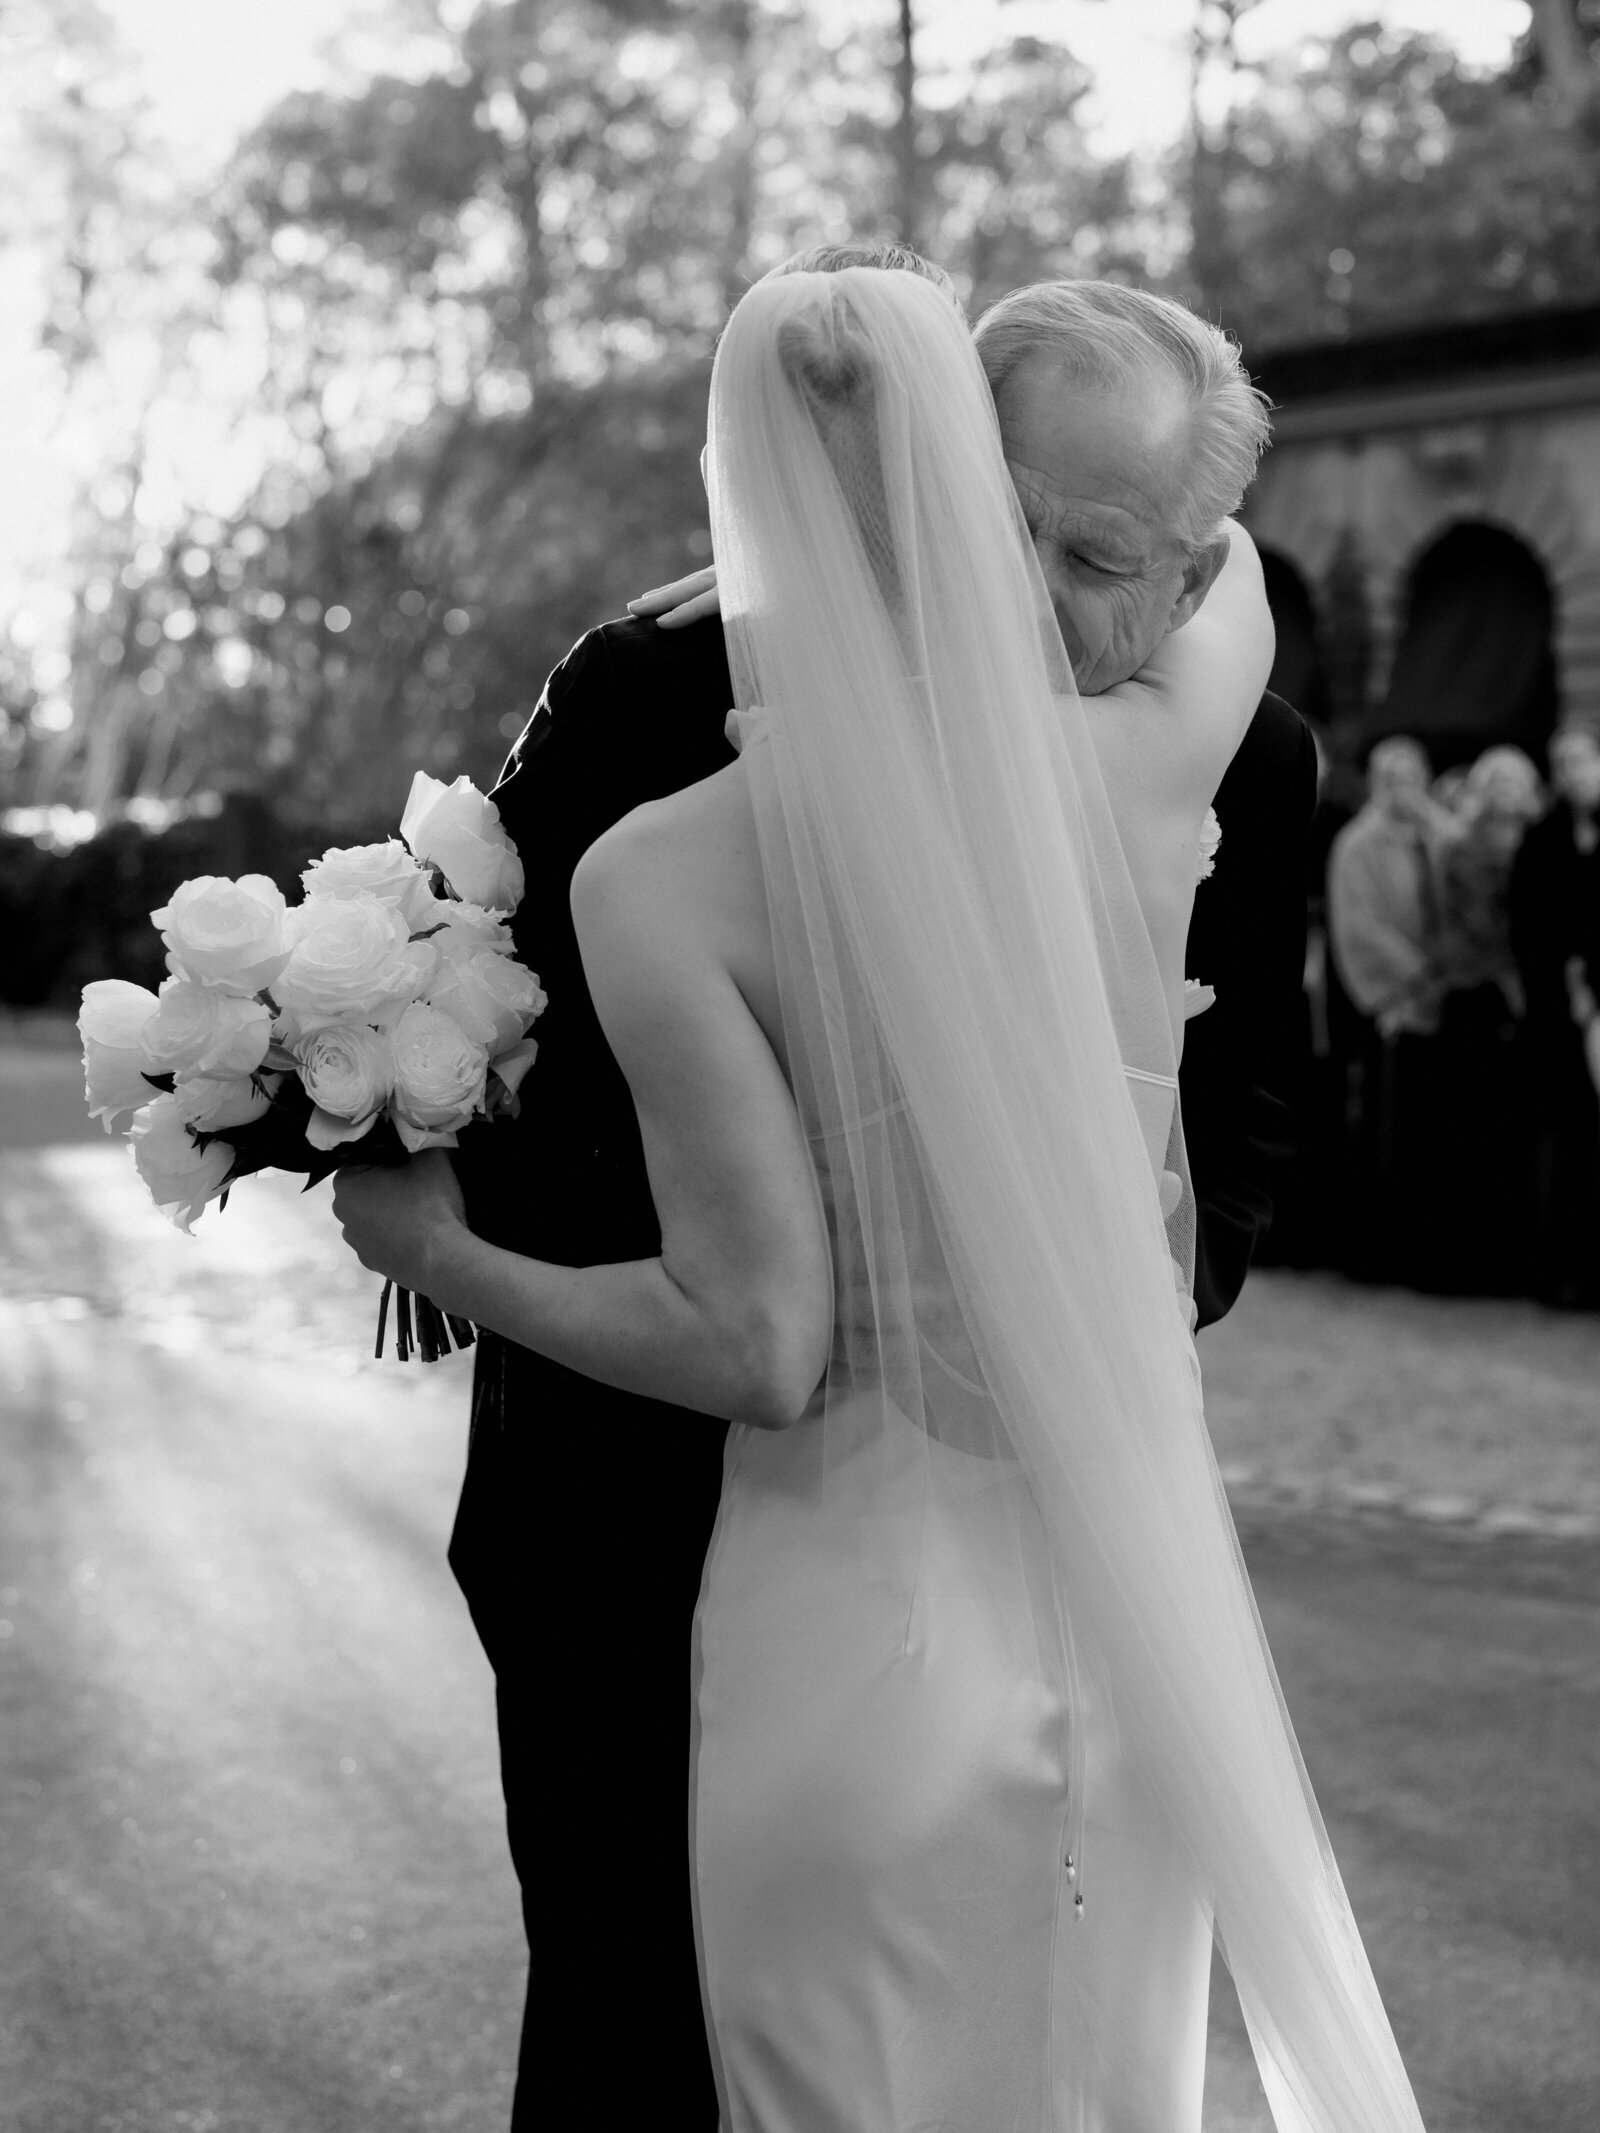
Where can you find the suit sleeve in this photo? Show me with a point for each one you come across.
(1243, 1058)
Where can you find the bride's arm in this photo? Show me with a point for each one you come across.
(734, 1317)
(1213, 670)
(1166, 736)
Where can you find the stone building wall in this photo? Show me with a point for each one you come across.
(1379, 458)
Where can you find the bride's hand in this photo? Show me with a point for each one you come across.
(395, 1218)
(685, 600)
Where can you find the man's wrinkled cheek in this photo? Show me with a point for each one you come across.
(1090, 638)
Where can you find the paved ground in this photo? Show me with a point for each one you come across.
(252, 1877)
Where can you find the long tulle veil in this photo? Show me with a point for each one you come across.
(980, 1046)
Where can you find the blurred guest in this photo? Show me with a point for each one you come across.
(1382, 910)
(1383, 936)
(1555, 931)
(1481, 1116)
(1500, 797)
(1450, 791)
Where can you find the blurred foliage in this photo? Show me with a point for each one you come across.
(1372, 181)
(463, 310)
(486, 292)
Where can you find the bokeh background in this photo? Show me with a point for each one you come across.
(354, 358)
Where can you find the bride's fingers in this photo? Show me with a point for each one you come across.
(706, 603)
(668, 601)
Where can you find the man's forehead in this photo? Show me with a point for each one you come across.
(1107, 454)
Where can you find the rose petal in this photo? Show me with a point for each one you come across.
(513, 1064)
(324, 1131)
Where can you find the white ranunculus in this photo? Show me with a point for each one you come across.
(385, 870)
(180, 1174)
(348, 1069)
(349, 955)
(112, 1022)
(202, 1029)
(454, 828)
(214, 1102)
(490, 996)
(229, 932)
(439, 1073)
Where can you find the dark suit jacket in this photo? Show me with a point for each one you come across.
(1241, 1057)
(631, 714)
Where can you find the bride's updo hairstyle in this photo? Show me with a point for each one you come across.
(859, 379)
(825, 355)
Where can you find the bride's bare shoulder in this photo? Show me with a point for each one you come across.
(682, 858)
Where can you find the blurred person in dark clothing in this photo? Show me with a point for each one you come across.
(1555, 932)
(1383, 936)
(1382, 909)
(1450, 792)
(1481, 1116)
(1501, 796)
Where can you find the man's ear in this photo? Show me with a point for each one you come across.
(1200, 573)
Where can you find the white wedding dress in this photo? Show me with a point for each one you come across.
(981, 1613)
(880, 1829)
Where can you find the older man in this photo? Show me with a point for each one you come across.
(1131, 432)
(586, 1512)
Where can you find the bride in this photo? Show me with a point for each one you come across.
(988, 1745)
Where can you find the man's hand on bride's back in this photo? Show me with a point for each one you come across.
(685, 600)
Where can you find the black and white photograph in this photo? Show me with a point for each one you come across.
(800, 1066)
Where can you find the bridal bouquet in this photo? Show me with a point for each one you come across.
(372, 1019)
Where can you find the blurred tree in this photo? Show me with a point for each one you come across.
(116, 258)
(1373, 179)
(484, 292)
(1559, 49)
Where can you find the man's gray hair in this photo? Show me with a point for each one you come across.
(1112, 337)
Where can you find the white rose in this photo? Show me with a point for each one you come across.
(206, 1030)
(385, 870)
(349, 955)
(112, 1022)
(348, 1069)
(181, 1175)
(466, 927)
(490, 996)
(454, 828)
(214, 1102)
(439, 1074)
(231, 932)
